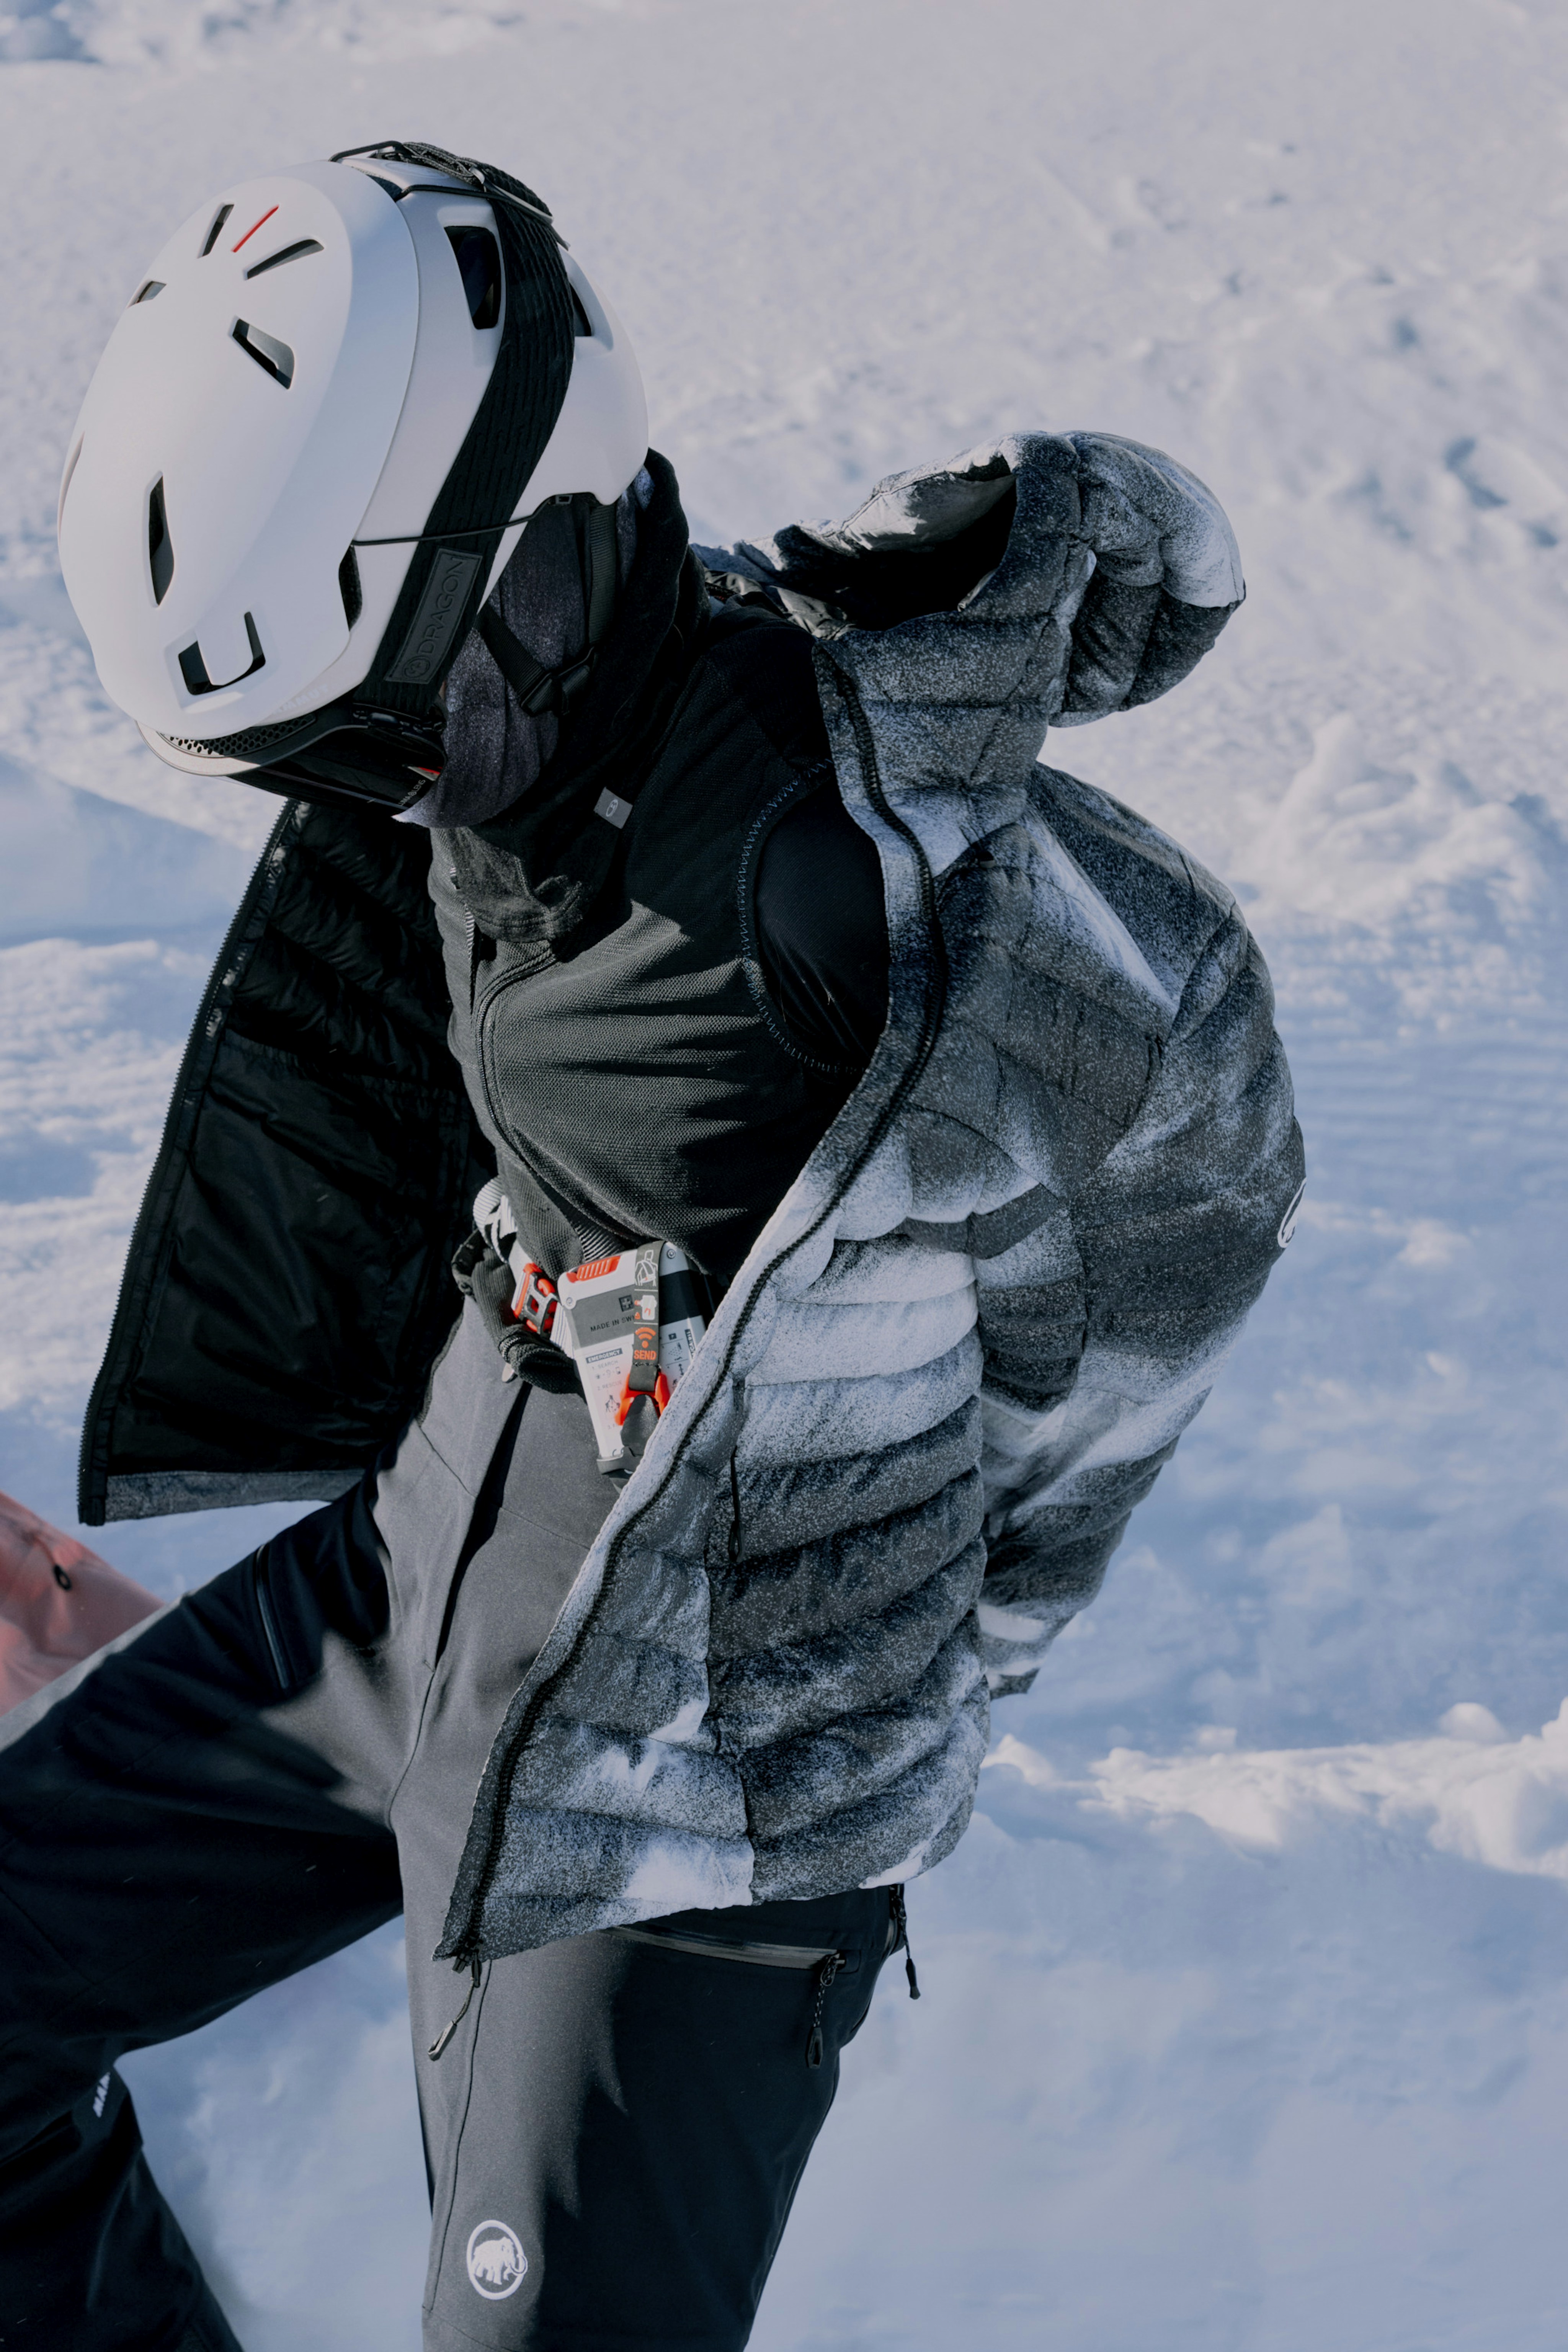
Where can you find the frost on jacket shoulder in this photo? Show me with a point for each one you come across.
(976, 1323)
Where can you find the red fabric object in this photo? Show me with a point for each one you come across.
(58, 1602)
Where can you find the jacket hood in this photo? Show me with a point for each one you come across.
(1044, 580)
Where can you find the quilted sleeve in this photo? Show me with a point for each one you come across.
(1103, 1329)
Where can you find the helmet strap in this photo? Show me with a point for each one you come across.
(444, 587)
(539, 689)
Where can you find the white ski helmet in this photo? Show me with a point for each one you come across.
(308, 452)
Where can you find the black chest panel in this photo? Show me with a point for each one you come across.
(636, 1077)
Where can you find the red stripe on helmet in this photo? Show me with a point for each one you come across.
(251, 231)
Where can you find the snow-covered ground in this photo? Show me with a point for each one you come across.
(1246, 2026)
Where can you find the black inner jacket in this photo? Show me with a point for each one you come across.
(622, 990)
(288, 1283)
(538, 870)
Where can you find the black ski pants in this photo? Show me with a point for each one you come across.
(265, 1773)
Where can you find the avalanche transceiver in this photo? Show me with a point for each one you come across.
(631, 1323)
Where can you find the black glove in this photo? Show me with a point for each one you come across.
(486, 1278)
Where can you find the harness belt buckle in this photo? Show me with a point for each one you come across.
(631, 1322)
(536, 1303)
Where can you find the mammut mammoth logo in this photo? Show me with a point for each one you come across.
(497, 2263)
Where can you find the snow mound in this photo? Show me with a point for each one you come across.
(1494, 1801)
(1357, 841)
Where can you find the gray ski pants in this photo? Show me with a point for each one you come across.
(263, 1773)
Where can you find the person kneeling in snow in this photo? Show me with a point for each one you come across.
(729, 913)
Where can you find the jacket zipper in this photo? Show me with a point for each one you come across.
(540, 955)
(461, 1943)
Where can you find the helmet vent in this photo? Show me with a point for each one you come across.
(478, 259)
(249, 744)
(145, 293)
(215, 231)
(193, 670)
(267, 352)
(289, 252)
(160, 546)
(349, 588)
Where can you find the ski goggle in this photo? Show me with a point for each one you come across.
(347, 755)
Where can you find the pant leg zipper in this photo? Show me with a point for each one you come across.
(444, 2036)
(723, 1948)
(824, 1976)
(824, 1965)
(899, 1938)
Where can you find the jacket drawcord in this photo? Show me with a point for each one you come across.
(447, 2032)
(734, 1512)
(824, 1976)
(901, 1925)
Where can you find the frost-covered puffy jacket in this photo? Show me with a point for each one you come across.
(979, 1318)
